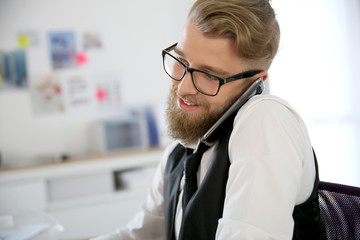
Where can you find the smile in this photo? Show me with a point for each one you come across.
(186, 105)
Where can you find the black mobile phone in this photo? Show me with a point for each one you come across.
(256, 88)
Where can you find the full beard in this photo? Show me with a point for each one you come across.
(189, 127)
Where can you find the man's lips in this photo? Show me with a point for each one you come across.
(187, 106)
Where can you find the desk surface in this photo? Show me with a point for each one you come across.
(75, 167)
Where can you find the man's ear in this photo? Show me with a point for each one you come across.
(263, 75)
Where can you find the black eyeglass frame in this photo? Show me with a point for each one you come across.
(222, 81)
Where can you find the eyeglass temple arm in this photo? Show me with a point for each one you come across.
(170, 48)
(247, 74)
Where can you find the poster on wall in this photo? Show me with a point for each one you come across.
(91, 41)
(13, 70)
(62, 49)
(47, 95)
(78, 94)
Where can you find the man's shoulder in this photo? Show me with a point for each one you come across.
(266, 99)
(267, 104)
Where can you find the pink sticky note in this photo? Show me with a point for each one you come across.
(101, 94)
(81, 58)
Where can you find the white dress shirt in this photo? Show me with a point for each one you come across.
(272, 170)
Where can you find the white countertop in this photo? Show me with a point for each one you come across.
(106, 163)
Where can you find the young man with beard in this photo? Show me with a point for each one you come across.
(258, 178)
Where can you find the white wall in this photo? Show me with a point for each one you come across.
(133, 32)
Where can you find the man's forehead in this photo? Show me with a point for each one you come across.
(191, 35)
(201, 51)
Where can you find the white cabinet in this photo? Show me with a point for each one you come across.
(88, 197)
(73, 187)
(23, 195)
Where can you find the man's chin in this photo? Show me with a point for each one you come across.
(188, 127)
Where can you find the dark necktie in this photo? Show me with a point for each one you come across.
(191, 166)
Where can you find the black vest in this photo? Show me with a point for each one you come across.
(200, 218)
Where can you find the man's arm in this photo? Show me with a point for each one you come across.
(148, 224)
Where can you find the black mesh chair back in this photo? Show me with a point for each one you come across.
(340, 210)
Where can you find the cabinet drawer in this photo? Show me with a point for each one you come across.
(23, 195)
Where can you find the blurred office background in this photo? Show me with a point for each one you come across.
(317, 72)
(75, 72)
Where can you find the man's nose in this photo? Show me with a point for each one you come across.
(186, 86)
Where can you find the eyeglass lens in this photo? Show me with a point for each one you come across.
(203, 82)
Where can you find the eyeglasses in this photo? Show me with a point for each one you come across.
(204, 82)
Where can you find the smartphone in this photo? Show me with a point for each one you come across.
(256, 88)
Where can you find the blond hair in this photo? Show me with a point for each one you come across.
(251, 23)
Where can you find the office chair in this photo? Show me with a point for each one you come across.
(340, 210)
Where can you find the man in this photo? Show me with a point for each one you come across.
(258, 178)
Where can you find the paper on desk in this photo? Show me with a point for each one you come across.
(24, 232)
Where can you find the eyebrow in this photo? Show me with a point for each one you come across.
(215, 71)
